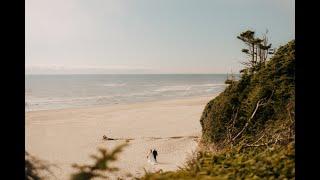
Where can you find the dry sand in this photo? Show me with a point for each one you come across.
(68, 136)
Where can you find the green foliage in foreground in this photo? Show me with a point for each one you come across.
(100, 167)
(275, 162)
(36, 169)
(31, 171)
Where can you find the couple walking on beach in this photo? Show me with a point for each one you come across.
(152, 156)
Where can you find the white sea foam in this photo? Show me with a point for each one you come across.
(173, 88)
(186, 87)
(114, 84)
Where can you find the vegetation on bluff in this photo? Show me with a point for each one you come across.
(248, 130)
(258, 107)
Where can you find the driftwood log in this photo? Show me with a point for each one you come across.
(106, 138)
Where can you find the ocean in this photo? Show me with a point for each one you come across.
(44, 92)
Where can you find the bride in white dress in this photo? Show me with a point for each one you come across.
(150, 158)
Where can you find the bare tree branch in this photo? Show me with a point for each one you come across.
(249, 120)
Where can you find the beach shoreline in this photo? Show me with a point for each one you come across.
(67, 136)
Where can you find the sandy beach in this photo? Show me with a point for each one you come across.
(68, 136)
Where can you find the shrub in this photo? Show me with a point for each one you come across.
(100, 167)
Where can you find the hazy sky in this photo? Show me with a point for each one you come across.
(148, 36)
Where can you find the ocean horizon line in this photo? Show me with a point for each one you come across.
(141, 74)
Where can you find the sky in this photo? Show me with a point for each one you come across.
(148, 36)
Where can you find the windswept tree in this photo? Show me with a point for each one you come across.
(257, 49)
(248, 38)
(265, 48)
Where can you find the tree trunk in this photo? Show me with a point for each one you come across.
(253, 53)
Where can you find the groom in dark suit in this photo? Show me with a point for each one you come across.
(155, 154)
